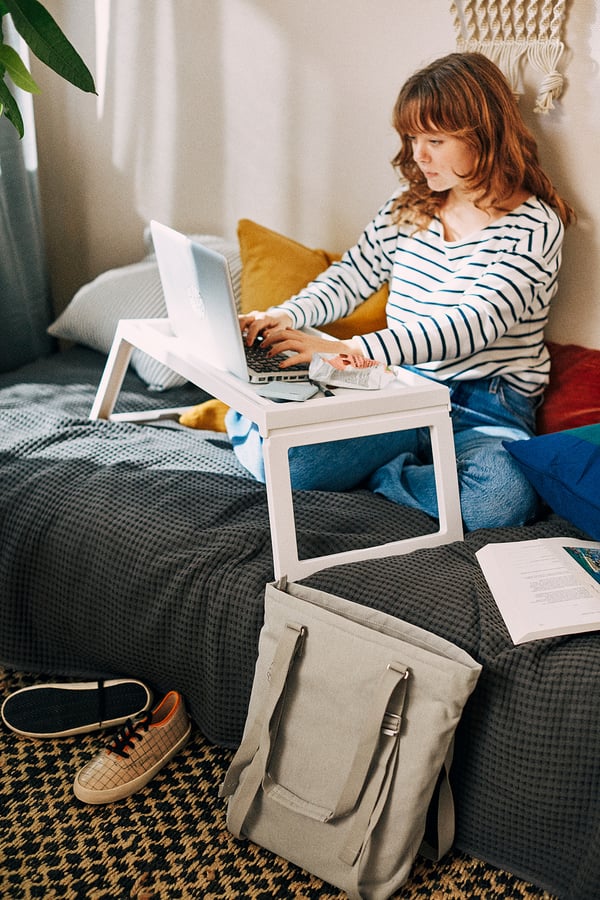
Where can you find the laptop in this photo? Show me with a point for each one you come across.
(202, 311)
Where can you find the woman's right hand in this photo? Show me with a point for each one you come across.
(258, 322)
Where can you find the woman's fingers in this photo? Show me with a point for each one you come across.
(303, 346)
(255, 323)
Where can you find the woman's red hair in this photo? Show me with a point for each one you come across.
(467, 96)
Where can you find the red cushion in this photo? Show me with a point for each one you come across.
(573, 396)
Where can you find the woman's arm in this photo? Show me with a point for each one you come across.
(457, 315)
(347, 283)
(334, 294)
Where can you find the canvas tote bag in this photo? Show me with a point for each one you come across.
(348, 736)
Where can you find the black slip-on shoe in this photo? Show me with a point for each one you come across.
(61, 710)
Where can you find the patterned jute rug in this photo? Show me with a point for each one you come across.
(167, 842)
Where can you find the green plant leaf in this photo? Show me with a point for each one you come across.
(44, 37)
(16, 69)
(10, 108)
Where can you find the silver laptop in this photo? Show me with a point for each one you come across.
(202, 312)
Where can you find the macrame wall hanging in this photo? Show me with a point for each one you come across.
(510, 31)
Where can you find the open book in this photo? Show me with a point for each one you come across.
(544, 587)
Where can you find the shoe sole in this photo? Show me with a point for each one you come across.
(110, 795)
(62, 710)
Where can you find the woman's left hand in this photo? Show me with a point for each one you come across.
(301, 344)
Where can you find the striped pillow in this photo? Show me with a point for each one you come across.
(131, 292)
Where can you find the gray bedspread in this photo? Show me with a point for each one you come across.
(144, 550)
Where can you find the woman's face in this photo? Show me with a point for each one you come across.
(443, 159)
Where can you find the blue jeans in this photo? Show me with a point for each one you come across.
(399, 466)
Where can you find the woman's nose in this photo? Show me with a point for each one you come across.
(420, 151)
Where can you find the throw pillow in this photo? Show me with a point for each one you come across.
(275, 267)
(564, 468)
(572, 397)
(130, 292)
(209, 416)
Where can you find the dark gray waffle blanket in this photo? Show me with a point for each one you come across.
(144, 551)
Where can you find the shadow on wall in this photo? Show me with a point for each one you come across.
(163, 104)
(209, 112)
(150, 144)
(161, 107)
(564, 147)
(218, 111)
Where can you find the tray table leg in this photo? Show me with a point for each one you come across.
(112, 378)
(446, 479)
(281, 506)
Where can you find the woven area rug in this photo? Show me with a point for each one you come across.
(167, 842)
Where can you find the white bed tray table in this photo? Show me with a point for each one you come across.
(411, 401)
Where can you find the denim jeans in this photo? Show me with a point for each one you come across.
(399, 466)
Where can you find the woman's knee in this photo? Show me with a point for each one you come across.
(496, 494)
(343, 465)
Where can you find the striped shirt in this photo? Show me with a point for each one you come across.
(468, 309)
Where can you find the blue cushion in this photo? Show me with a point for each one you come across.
(564, 468)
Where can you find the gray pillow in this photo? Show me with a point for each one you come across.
(131, 292)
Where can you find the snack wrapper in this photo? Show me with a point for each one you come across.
(349, 370)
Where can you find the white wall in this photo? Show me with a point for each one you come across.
(279, 111)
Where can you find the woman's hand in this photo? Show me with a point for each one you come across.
(254, 323)
(300, 344)
(278, 336)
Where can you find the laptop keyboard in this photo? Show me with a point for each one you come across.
(258, 360)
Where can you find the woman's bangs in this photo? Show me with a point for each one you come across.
(413, 119)
(423, 113)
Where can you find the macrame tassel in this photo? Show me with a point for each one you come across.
(509, 60)
(508, 31)
(545, 55)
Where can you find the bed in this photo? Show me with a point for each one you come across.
(144, 550)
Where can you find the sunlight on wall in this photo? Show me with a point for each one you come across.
(210, 111)
(102, 11)
(277, 117)
(136, 49)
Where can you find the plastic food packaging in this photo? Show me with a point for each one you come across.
(349, 370)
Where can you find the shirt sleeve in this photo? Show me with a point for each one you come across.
(503, 298)
(346, 284)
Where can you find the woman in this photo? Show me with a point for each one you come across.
(471, 248)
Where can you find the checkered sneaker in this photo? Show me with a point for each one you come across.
(136, 754)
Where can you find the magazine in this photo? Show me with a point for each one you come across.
(545, 587)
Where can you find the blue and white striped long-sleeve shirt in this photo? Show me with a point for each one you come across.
(464, 309)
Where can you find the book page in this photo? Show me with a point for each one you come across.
(544, 587)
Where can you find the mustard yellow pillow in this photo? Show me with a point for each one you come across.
(275, 267)
(208, 416)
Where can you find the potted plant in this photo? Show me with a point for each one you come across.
(48, 42)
